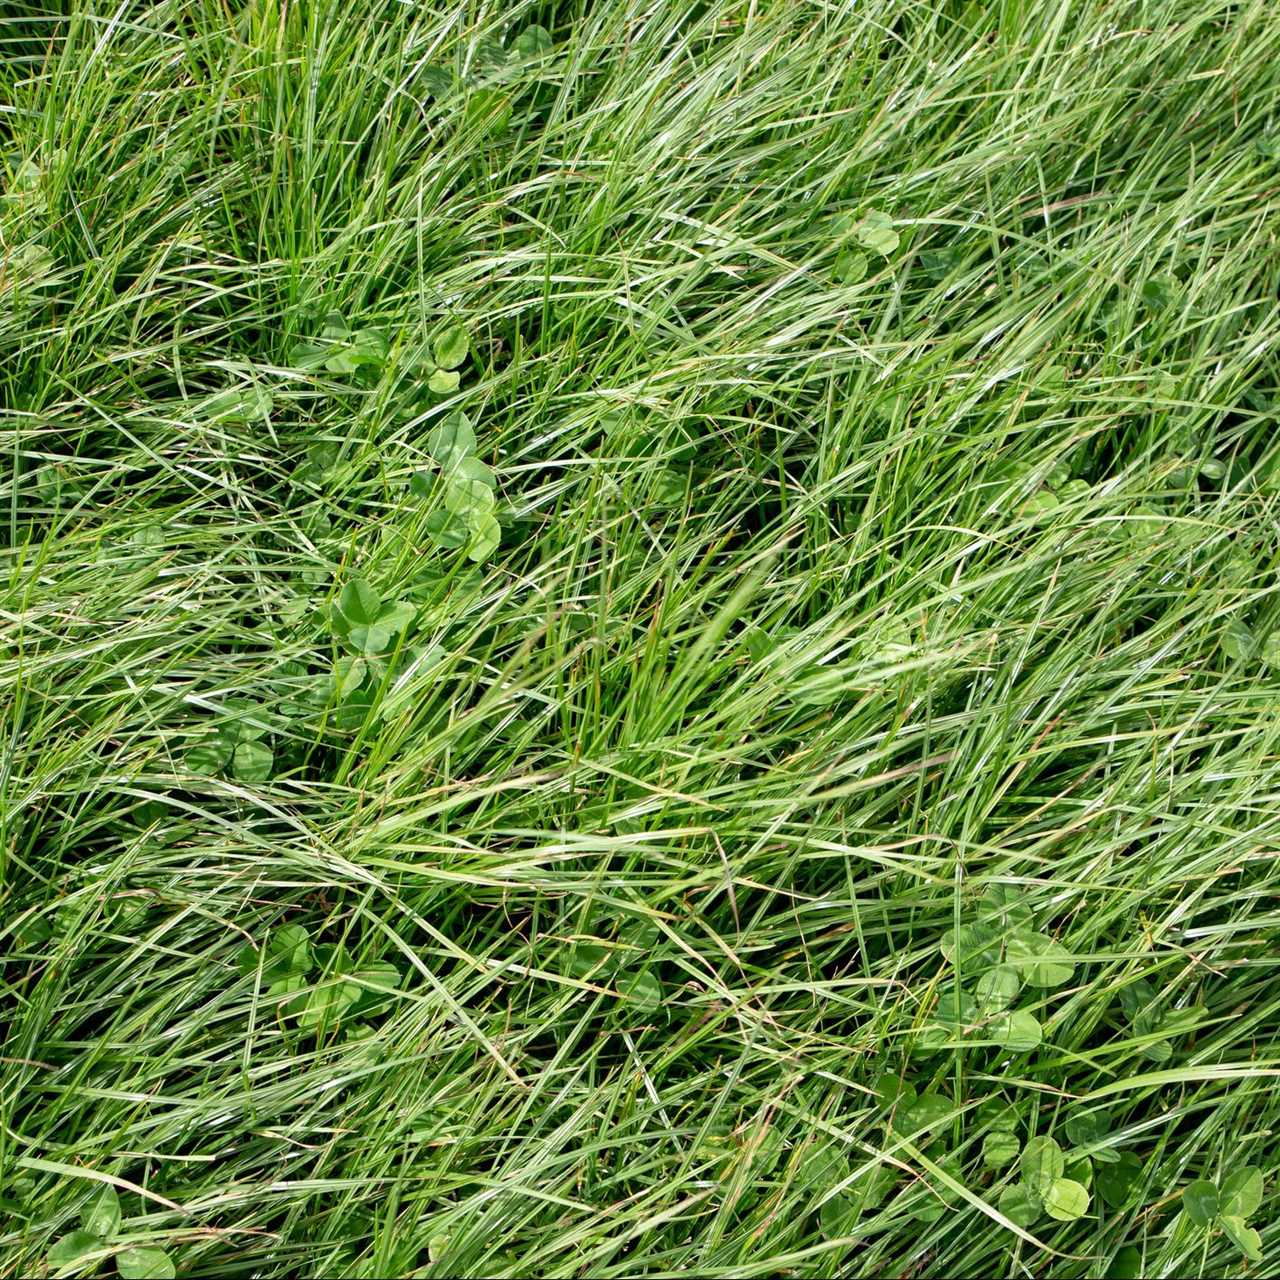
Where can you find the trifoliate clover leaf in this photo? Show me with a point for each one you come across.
(1000, 1149)
(875, 231)
(1241, 1192)
(450, 347)
(101, 1216)
(68, 1250)
(1042, 1164)
(1042, 962)
(145, 1264)
(533, 42)
(252, 761)
(359, 602)
(485, 537)
(1018, 1031)
(1020, 1204)
(454, 436)
(1200, 1202)
(1066, 1200)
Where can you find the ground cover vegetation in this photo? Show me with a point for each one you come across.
(639, 638)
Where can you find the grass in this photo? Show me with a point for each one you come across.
(877, 598)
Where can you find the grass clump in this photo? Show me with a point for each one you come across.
(639, 639)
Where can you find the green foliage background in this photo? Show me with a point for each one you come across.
(639, 638)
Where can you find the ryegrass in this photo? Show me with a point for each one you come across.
(797, 643)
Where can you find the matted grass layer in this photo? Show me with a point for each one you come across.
(786, 785)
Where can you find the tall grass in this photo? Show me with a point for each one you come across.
(825, 604)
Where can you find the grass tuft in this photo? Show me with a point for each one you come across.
(639, 639)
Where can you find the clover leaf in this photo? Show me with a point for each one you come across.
(288, 951)
(1019, 1031)
(1244, 1237)
(1042, 1164)
(851, 266)
(344, 994)
(1086, 1127)
(69, 1249)
(241, 405)
(448, 530)
(454, 435)
(327, 1004)
(1142, 1007)
(467, 490)
(348, 675)
(337, 349)
(643, 989)
(252, 761)
(998, 988)
(450, 346)
(926, 1112)
(1238, 642)
(314, 353)
(1126, 1265)
(1066, 1200)
(1004, 904)
(210, 756)
(359, 602)
(942, 1195)
(533, 42)
(444, 382)
(999, 1149)
(486, 534)
(100, 1225)
(1209, 1205)
(1042, 962)
(1116, 1180)
(1020, 1204)
(971, 946)
(101, 1216)
(875, 231)
(235, 746)
(145, 1264)
(1043, 1170)
(367, 623)
(894, 1092)
(1242, 1192)
(1200, 1202)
